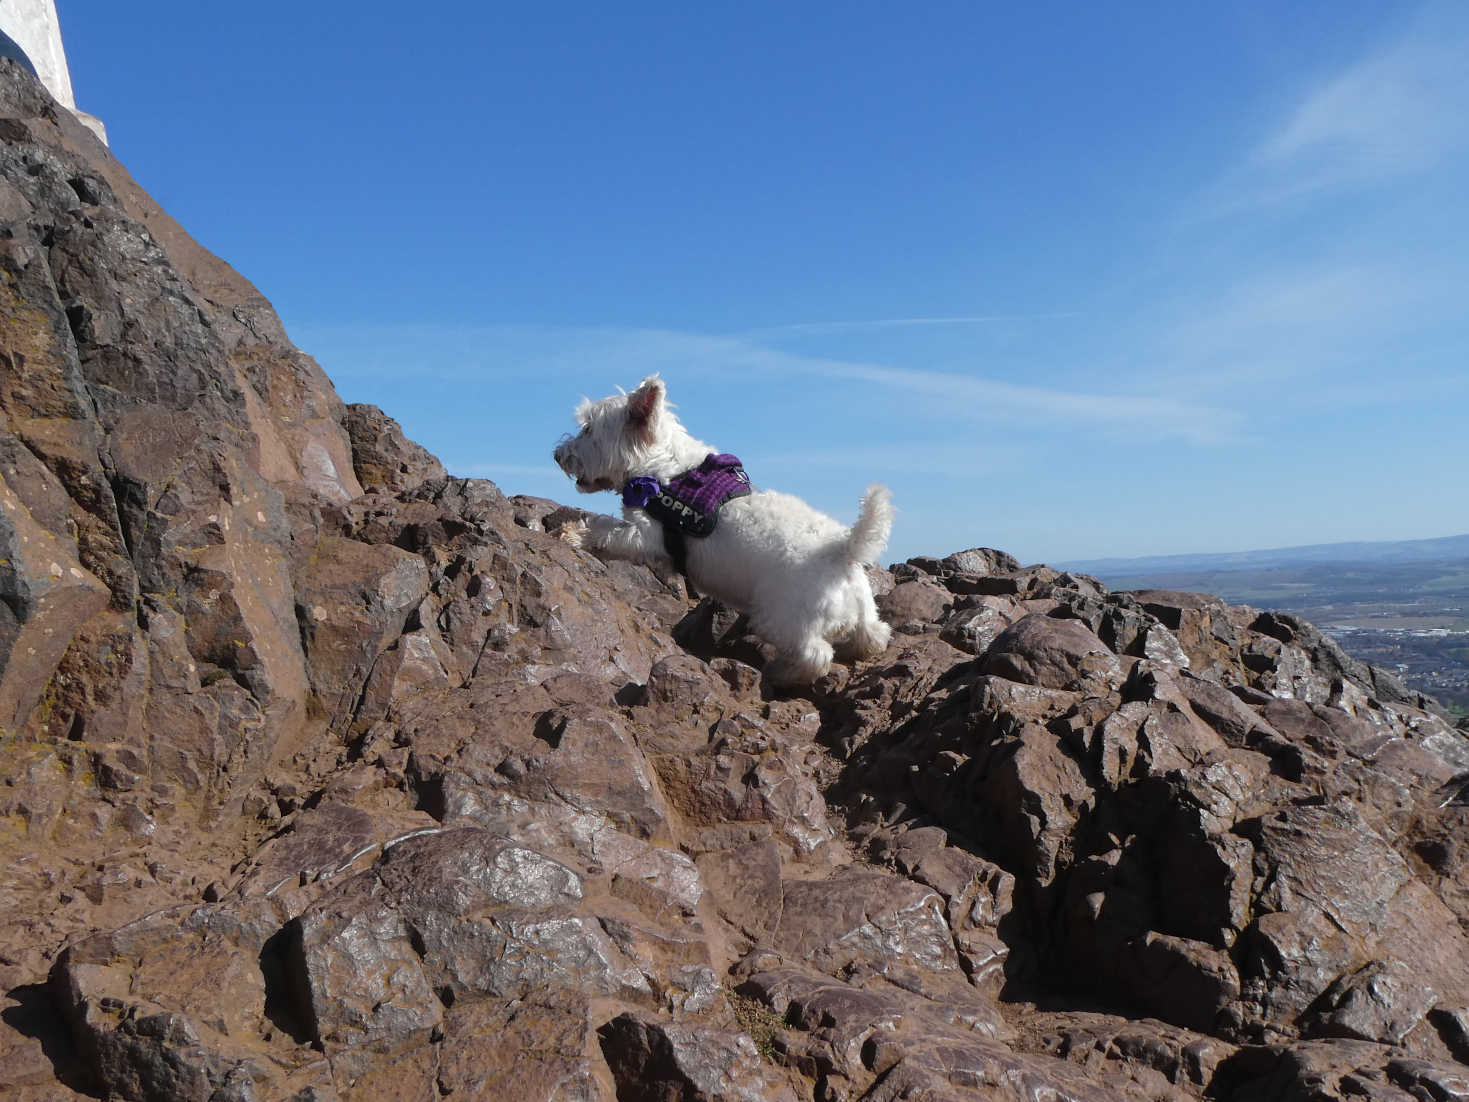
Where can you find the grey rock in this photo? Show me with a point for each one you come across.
(1425, 1078)
(864, 917)
(1381, 1001)
(656, 1060)
(973, 629)
(365, 982)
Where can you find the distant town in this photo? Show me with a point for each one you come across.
(1432, 660)
(1403, 607)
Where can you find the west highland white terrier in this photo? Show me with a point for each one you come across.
(796, 572)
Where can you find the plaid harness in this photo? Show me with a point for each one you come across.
(689, 504)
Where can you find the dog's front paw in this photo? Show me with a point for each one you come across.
(574, 534)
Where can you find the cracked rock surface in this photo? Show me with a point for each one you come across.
(325, 775)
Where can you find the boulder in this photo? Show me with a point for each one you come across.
(1052, 654)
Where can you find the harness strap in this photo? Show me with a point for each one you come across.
(677, 548)
(689, 504)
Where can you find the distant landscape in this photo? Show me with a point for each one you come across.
(1400, 605)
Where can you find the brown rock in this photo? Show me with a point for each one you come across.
(1053, 654)
(1316, 928)
(981, 560)
(354, 601)
(915, 606)
(1182, 1057)
(656, 1060)
(46, 596)
(863, 917)
(382, 457)
(525, 1052)
(957, 1070)
(175, 1006)
(1381, 1001)
(745, 884)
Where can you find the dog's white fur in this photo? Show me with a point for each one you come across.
(796, 572)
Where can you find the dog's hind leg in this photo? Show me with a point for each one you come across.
(871, 636)
(801, 664)
(869, 639)
(868, 636)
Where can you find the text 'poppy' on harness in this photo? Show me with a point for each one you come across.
(689, 504)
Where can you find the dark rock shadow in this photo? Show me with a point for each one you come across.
(35, 1014)
(711, 630)
(286, 1002)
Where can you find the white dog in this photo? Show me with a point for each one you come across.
(796, 572)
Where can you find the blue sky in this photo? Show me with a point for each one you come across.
(1074, 279)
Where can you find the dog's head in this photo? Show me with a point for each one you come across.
(618, 434)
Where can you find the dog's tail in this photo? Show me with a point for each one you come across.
(867, 538)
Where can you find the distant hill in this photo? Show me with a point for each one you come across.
(1382, 553)
(1402, 605)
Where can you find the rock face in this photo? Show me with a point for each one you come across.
(326, 775)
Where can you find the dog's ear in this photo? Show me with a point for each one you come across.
(645, 404)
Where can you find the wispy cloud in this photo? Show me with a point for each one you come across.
(1299, 337)
(949, 396)
(907, 457)
(965, 397)
(1396, 112)
(1284, 323)
(592, 360)
(825, 327)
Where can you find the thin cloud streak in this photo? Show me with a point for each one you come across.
(1304, 336)
(988, 399)
(1283, 324)
(1396, 113)
(599, 358)
(1392, 113)
(818, 327)
(954, 396)
(929, 460)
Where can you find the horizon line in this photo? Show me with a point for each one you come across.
(1079, 562)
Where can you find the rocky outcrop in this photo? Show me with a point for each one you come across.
(326, 775)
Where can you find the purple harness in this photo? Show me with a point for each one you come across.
(689, 504)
